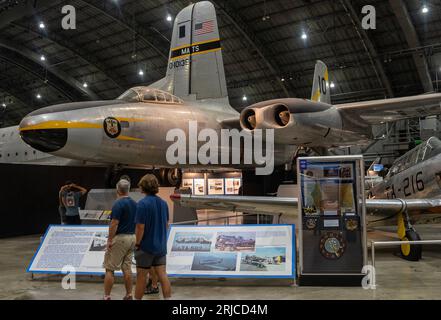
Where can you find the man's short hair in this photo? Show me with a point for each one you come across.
(123, 186)
(149, 184)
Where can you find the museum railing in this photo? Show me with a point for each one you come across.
(375, 244)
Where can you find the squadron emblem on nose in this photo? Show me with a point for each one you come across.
(112, 127)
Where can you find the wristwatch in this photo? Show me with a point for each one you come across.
(137, 246)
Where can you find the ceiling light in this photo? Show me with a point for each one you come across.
(141, 73)
(332, 85)
(425, 9)
(304, 36)
(41, 25)
(4, 105)
(85, 85)
(244, 98)
(38, 96)
(43, 58)
(283, 79)
(169, 17)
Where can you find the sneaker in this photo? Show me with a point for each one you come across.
(128, 297)
(151, 290)
(107, 298)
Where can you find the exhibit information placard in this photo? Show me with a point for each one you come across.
(252, 251)
(81, 247)
(210, 251)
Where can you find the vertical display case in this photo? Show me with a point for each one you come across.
(332, 225)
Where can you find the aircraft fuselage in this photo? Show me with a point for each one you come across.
(422, 180)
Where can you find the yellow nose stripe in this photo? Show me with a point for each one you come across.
(127, 138)
(55, 124)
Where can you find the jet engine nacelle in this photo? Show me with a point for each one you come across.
(280, 113)
(299, 121)
(272, 116)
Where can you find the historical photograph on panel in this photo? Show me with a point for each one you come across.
(194, 242)
(98, 244)
(199, 187)
(264, 259)
(214, 262)
(235, 241)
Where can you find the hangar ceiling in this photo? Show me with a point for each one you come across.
(264, 52)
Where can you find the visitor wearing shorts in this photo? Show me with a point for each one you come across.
(151, 237)
(121, 241)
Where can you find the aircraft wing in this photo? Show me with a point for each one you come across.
(258, 205)
(396, 205)
(387, 110)
(289, 206)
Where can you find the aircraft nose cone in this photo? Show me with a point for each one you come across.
(43, 139)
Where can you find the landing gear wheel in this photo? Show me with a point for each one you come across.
(171, 177)
(411, 252)
(113, 175)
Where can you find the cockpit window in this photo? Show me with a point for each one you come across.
(417, 155)
(145, 94)
(168, 98)
(149, 96)
(129, 96)
(160, 97)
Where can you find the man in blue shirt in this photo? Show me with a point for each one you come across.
(151, 237)
(121, 240)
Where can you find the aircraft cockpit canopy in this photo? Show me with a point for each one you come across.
(423, 152)
(145, 94)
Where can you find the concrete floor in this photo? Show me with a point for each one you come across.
(396, 279)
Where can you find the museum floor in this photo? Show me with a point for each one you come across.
(396, 279)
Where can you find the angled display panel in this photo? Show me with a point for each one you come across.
(64, 247)
(254, 251)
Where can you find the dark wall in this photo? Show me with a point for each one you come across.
(29, 194)
(254, 185)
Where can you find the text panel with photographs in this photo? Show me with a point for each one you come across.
(232, 251)
(80, 247)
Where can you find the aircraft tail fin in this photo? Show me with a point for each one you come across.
(320, 88)
(195, 64)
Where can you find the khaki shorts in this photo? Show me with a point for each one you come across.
(120, 254)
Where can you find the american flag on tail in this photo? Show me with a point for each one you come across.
(204, 27)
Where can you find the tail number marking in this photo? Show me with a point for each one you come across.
(322, 85)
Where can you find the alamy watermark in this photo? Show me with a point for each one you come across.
(232, 147)
(369, 280)
(369, 21)
(69, 281)
(68, 22)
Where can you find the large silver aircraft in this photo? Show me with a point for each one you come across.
(132, 129)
